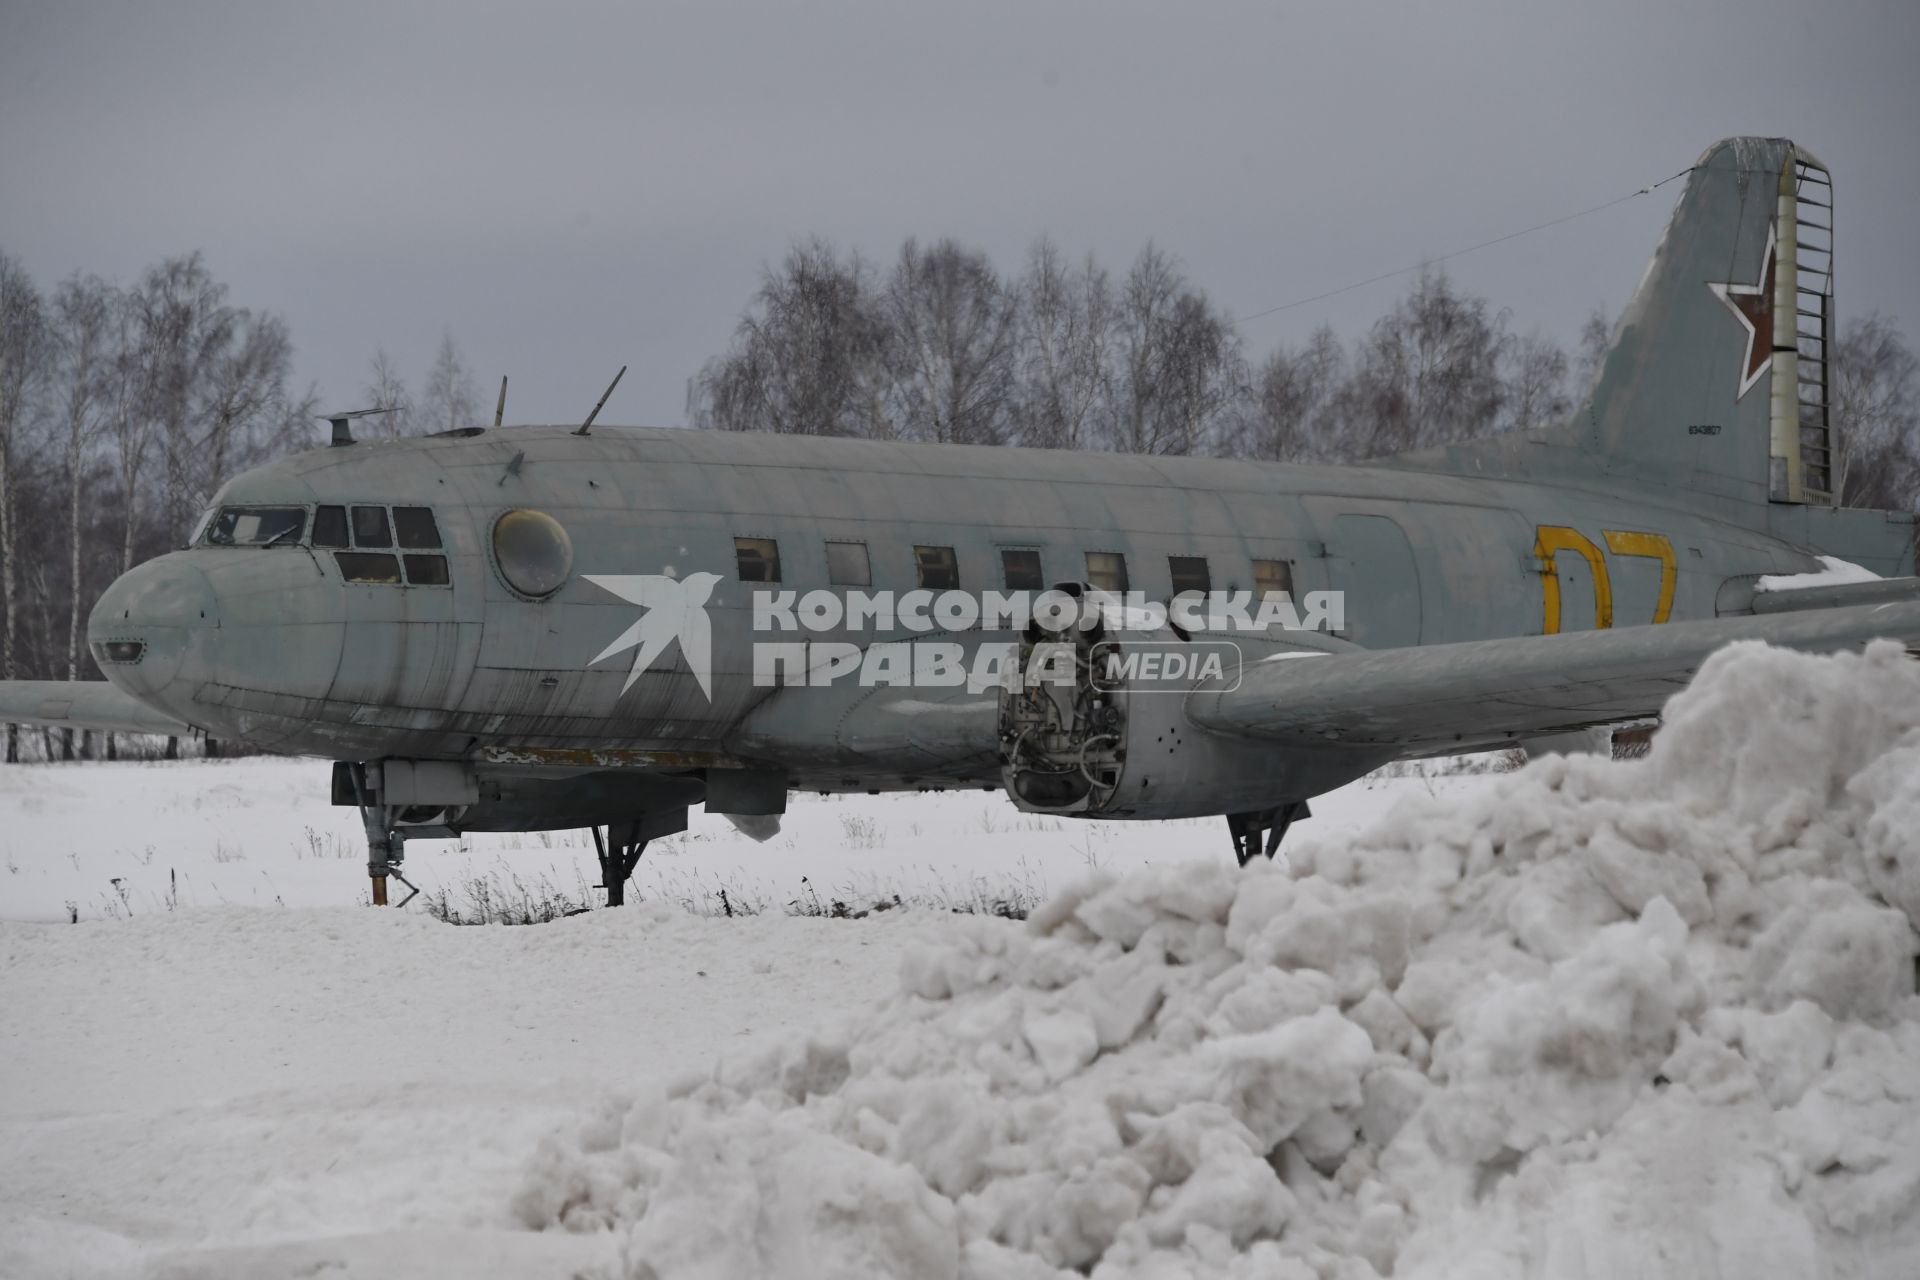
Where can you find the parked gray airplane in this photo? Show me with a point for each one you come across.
(549, 627)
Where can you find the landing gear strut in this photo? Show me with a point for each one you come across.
(1261, 831)
(619, 851)
(386, 844)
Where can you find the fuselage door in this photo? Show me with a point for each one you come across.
(1371, 561)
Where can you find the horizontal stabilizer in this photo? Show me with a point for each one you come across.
(81, 704)
(1484, 693)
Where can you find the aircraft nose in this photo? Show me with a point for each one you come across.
(148, 621)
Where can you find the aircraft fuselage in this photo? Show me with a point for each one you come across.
(274, 646)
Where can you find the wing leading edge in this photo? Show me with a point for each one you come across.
(81, 704)
(1483, 693)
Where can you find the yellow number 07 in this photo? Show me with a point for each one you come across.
(1551, 539)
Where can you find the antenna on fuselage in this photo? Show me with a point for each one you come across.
(342, 423)
(603, 400)
(500, 409)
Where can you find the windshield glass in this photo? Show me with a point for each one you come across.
(256, 526)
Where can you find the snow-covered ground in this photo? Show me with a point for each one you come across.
(118, 840)
(1589, 1019)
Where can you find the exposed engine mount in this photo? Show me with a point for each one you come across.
(1086, 733)
(1062, 742)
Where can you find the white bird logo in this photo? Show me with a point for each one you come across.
(676, 609)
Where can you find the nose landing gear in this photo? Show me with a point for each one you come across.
(386, 843)
(384, 863)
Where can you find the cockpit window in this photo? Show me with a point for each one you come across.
(415, 528)
(330, 527)
(256, 526)
(426, 571)
(373, 533)
(362, 566)
(370, 527)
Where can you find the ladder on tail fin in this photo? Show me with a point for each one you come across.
(1803, 461)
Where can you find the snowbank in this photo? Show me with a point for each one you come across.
(1833, 572)
(1651, 1018)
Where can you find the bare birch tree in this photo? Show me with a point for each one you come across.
(127, 418)
(809, 357)
(1428, 372)
(243, 400)
(1535, 378)
(1180, 366)
(185, 323)
(83, 332)
(387, 390)
(23, 328)
(953, 333)
(1064, 359)
(1287, 416)
(1876, 409)
(1146, 301)
(449, 400)
(1596, 336)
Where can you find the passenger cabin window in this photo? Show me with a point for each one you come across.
(758, 559)
(1021, 568)
(939, 570)
(370, 527)
(847, 565)
(1189, 574)
(256, 526)
(330, 527)
(1272, 578)
(1107, 570)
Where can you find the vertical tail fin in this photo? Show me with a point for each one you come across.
(1715, 390)
(1717, 378)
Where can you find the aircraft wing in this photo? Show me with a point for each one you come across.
(81, 704)
(1444, 698)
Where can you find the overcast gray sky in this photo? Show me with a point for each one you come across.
(568, 188)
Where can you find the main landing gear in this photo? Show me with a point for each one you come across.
(1261, 831)
(619, 851)
(386, 844)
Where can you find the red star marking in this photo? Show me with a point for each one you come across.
(1752, 306)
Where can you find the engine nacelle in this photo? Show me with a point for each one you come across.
(1094, 724)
